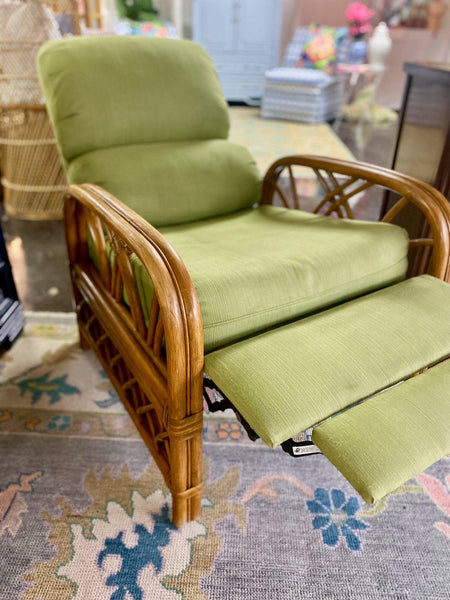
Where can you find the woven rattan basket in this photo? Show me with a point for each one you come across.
(33, 180)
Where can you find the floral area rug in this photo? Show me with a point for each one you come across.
(84, 512)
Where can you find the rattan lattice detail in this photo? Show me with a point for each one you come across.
(337, 191)
(150, 422)
(119, 271)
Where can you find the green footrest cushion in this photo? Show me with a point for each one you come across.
(383, 442)
(291, 378)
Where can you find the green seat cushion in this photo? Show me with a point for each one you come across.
(105, 91)
(291, 378)
(383, 442)
(261, 267)
(174, 182)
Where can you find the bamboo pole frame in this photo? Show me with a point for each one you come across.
(156, 366)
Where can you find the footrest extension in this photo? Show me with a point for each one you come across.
(392, 437)
(289, 379)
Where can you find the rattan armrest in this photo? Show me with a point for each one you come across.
(155, 361)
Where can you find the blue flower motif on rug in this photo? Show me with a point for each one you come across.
(54, 388)
(131, 551)
(112, 399)
(59, 423)
(147, 551)
(335, 516)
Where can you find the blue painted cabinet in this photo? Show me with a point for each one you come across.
(243, 38)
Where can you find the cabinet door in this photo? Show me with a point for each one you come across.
(214, 24)
(258, 26)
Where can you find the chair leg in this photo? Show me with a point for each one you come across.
(84, 344)
(186, 470)
(176, 444)
(186, 504)
(78, 300)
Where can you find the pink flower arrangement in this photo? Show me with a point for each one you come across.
(358, 16)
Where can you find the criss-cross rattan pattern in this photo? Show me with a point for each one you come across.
(337, 192)
(147, 412)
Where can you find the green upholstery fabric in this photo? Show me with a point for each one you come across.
(105, 91)
(174, 182)
(259, 268)
(380, 444)
(291, 378)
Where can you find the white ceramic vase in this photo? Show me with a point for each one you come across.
(378, 47)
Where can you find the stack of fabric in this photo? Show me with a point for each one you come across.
(305, 95)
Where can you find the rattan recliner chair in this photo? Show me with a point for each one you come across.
(182, 263)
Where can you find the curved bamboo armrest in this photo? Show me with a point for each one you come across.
(155, 360)
(341, 180)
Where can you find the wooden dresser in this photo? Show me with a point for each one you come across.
(422, 147)
(423, 141)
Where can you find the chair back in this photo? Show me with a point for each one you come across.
(146, 119)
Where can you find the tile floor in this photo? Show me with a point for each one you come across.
(37, 249)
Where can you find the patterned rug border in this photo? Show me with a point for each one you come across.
(63, 318)
(31, 386)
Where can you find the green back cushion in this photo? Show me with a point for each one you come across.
(169, 183)
(146, 120)
(105, 91)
